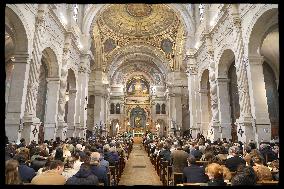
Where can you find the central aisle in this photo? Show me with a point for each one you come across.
(138, 169)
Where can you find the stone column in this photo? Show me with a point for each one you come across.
(71, 113)
(84, 72)
(61, 125)
(204, 110)
(77, 107)
(17, 97)
(192, 87)
(245, 122)
(215, 129)
(53, 85)
(259, 99)
(31, 122)
(224, 106)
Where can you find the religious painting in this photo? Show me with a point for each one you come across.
(137, 117)
(138, 86)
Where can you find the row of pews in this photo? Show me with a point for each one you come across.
(115, 171)
(169, 178)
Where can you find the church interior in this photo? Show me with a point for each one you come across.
(117, 70)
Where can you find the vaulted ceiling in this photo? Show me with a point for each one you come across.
(152, 26)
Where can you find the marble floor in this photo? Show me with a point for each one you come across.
(138, 169)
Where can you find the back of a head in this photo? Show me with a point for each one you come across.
(69, 162)
(55, 163)
(95, 158)
(21, 158)
(215, 170)
(191, 159)
(11, 172)
(242, 180)
(257, 159)
(234, 150)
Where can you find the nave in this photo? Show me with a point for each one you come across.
(138, 169)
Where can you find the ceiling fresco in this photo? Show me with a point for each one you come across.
(137, 20)
(128, 68)
(154, 25)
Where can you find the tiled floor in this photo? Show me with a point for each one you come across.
(138, 169)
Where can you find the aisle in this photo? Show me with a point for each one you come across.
(138, 169)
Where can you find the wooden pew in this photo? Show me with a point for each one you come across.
(177, 178)
(202, 163)
(158, 165)
(169, 175)
(193, 184)
(267, 182)
(164, 172)
(113, 174)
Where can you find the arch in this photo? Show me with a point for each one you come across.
(260, 26)
(19, 28)
(205, 98)
(50, 58)
(42, 92)
(204, 79)
(127, 52)
(224, 62)
(70, 103)
(158, 108)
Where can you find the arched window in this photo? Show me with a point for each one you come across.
(75, 12)
(201, 12)
(112, 108)
(117, 108)
(158, 111)
(163, 109)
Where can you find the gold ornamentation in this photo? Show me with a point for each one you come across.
(138, 10)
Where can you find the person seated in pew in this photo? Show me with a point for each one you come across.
(165, 153)
(194, 173)
(97, 169)
(179, 159)
(262, 172)
(83, 177)
(215, 175)
(234, 160)
(245, 176)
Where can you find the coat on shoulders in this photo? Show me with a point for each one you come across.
(83, 177)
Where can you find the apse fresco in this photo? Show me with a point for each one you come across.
(138, 86)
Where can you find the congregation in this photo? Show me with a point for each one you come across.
(181, 160)
(97, 161)
(79, 162)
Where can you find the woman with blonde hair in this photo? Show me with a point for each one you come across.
(215, 174)
(12, 175)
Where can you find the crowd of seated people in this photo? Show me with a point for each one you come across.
(222, 162)
(74, 161)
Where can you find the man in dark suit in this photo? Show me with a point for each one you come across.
(179, 159)
(234, 159)
(194, 173)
